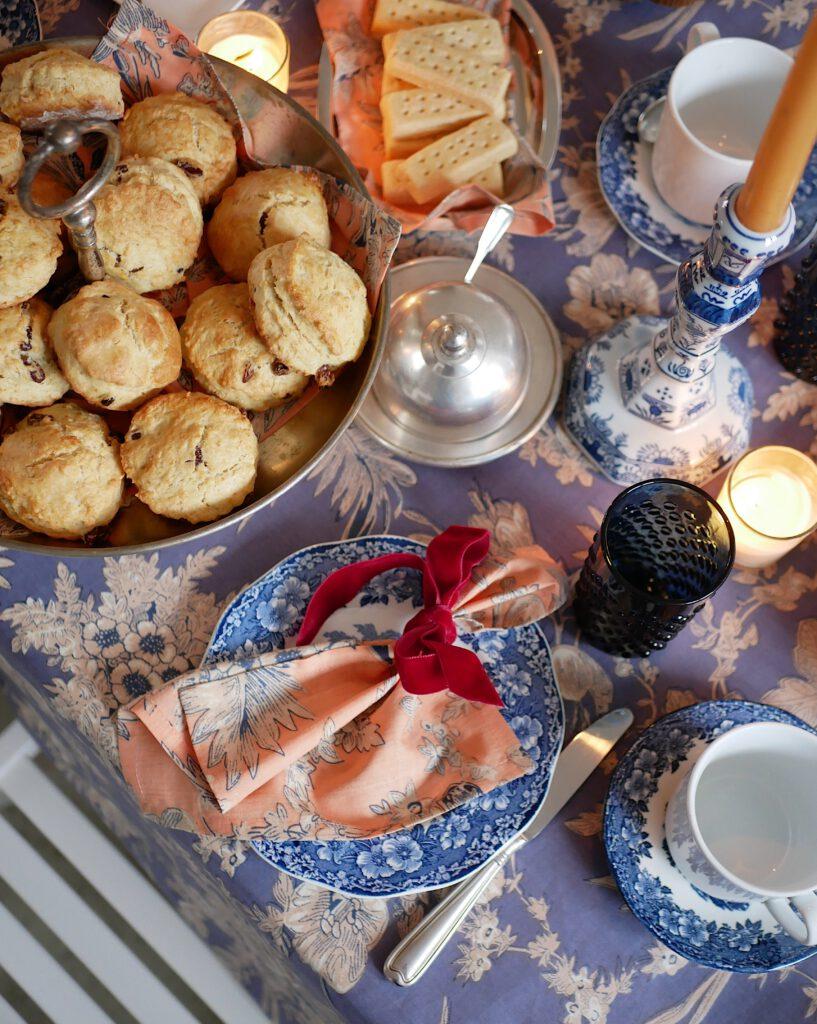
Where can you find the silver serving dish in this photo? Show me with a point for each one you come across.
(538, 95)
(309, 435)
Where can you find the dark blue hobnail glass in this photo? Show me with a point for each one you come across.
(663, 548)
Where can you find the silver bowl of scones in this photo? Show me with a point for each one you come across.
(102, 451)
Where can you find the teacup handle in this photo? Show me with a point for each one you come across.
(703, 32)
(803, 931)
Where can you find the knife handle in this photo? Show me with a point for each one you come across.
(411, 958)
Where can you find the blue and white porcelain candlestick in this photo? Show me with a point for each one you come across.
(657, 397)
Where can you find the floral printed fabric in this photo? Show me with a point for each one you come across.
(358, 69)
(251, 747)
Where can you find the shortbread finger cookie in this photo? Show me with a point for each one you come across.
(29, 248)
(458, 158)
(417, 112)
(310, 307)
(262, 209)
(59, 83)
(225, 353)
(188, 133)
(29, 373)
(148, 223)
(191, 456)
(60, 472)
(481, 37)
(12, 158)
(393, 15)
(116, 347)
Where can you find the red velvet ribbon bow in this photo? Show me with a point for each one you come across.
(426, 657)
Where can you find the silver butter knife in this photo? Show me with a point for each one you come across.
(411, 958)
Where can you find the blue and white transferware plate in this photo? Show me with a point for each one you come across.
(19, 23)
(447, 848)
(625, 176)
(729, 936)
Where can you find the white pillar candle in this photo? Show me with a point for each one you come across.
(770, 498)
(251, 41)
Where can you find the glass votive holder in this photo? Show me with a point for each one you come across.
(663, 548)
(770, 497)
(252, 41)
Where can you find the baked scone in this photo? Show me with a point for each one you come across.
(59, 83)
(148, 223)
(227, 356)
(11, 154)
(261, 209)
(191, 456)
(29, 248)
(116, 347)
(60, 472)
(29, 374)
(310, 307)
(188, 133)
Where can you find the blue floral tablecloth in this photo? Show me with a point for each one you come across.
(553, 941)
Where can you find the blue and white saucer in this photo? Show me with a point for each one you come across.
(729, 936)
(625, 176)
(453, 845)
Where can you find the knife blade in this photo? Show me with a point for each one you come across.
(417, 951)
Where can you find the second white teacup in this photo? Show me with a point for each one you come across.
(719, 99)
(743, 824)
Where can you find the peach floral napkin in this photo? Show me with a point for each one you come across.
(322, 740)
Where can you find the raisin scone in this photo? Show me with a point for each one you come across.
(191, 456)
(12, 158)
(148, 223)
(116, 347)
(29, 248)
(224, 352)
(59, 83)
(29, 374)
(60, 472)
(188, 133)
(261, 209)
(310, 307)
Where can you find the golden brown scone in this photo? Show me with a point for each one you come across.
(148, 223)
(29, 248)
(188, 133)
(191, 456)
(59, 83)
(228, 357)
(11, 154)
(116, 347)
(261, 209)
(60, 472)
(29, 374)
(309, 306)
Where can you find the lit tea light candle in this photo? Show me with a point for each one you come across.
(770, 498)
(252, 41)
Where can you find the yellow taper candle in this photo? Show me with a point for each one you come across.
(786, 144)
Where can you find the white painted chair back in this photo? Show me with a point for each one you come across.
(79, 928)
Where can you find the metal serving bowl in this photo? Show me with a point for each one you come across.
(309, 435)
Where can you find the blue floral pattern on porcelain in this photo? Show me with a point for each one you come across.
(730, 936)
(626, 181)
(448, 848)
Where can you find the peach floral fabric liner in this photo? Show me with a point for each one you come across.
(357, 61)
(243, 748)
(152, 57)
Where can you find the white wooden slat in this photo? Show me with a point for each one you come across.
(15, 745)
(8, 1015)
(38, 974)
(145, 909)
(89, 938)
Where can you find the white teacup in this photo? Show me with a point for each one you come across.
(720, 96)
(743, 824)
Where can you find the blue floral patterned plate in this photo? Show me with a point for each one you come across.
(19, 22)
(451, 846)
(729, 936)
(625, 177)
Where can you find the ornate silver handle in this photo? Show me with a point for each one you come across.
(411, 958)
(495, 227)
(63, 137)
